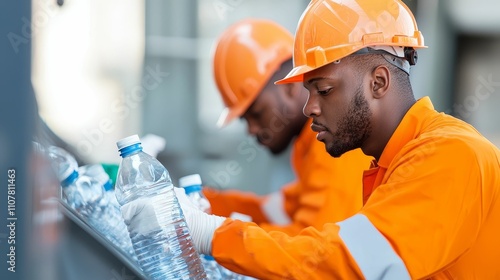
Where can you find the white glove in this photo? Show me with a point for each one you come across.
(140, 216)
(201, 225)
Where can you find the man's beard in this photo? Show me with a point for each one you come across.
(354, 128)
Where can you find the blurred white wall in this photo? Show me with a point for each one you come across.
(477, 72)
(87, 71)
(474, 16)
(478, 85)
(460, 69)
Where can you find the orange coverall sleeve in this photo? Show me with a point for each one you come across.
(429, 209)
(329, 190)
(312, 254)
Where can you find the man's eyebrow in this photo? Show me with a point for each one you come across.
(309, 82)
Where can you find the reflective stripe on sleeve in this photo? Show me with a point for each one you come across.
(274, 209)
(372, 252)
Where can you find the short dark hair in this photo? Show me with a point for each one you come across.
(368, 62)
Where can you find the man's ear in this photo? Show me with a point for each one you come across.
(381, 78)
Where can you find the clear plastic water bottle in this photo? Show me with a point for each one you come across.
(192, 187)
(155, 221)
(61, 161)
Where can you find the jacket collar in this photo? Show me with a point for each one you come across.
(408, 129)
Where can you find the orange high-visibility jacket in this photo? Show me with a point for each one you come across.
(432, 212)
(326, 189)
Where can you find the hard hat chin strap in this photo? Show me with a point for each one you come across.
(400, 63)
(403, 63)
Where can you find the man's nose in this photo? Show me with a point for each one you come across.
(252, 128)
(311, 108)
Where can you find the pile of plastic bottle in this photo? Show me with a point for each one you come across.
(88, 191)
(141, 215)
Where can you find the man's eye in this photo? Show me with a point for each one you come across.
(256, 114)
(324, 92)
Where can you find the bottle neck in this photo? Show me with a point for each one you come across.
(70, 179)
(130, 150)
(209, 258)
(108, 185)
(192, 189)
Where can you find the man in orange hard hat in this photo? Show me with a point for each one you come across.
(249, 56)
(432, 195)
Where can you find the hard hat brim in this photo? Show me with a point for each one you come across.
(225, 118)
(296, 75)
(230, 113)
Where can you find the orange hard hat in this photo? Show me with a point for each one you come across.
(247, 55)
(329, 30)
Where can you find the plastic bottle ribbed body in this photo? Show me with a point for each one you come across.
(162, 242)
(109, 222)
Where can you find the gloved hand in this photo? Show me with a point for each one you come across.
(140, 216)
(201, 225)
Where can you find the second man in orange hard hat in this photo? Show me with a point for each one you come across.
(250, 55)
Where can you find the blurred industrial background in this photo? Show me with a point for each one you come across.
(103, 70)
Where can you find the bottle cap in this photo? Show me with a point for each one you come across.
(128, 141)
(190, 180)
